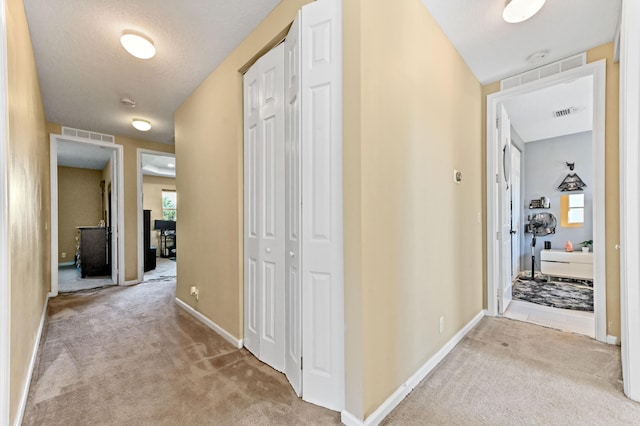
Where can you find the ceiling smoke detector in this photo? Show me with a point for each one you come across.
(564, 112)
(128, 102)
(537, 56)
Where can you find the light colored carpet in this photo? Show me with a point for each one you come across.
(129, 356)
(507, 372)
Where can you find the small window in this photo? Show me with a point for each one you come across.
(169, 205)
(572, 211)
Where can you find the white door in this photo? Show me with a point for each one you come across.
(516, 212)
(293, 290)
(504, 151)
(322, 242)
(264, 195)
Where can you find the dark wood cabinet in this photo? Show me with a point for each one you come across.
(93, 259)
(149, 252)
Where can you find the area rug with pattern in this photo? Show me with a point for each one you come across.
(564, 295)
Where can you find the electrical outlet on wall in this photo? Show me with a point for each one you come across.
(193, 291)
(63, 255)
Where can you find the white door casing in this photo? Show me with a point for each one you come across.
(264, 199)
(322, 241)
(494, 263)
(504, 151)
(117, 187)
(516, 211)
(293, 209)
(630, 197)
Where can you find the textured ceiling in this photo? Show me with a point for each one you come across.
(84, 71)
(82, 155)
(494, 49)
(158, 165)
(532, 115)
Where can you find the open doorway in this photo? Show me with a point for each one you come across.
(157, 216)
(86, 214)
(538, 145)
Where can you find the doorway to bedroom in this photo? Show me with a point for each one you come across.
(548, 200)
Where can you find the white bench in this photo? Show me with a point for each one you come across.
(560, 263)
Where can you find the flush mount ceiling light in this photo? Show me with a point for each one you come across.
(142, 125)
(171, 165)
(137, 44)
(520, 10)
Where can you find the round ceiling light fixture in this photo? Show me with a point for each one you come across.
(520, 10)
(138, 44)
(142, 125)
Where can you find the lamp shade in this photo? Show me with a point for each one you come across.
(520, 10)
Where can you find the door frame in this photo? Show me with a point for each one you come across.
(597, 70)
(630, 197)
(5, 291)
(139, 206)
(118, 198)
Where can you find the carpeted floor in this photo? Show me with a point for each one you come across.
(508, 372)
(129, 356)
(564, 295)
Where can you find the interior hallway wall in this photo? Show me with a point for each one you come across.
(612, 179)
(79, 204)
(413, 241)
(29, 201)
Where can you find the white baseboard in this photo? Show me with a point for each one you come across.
(132, 282)
(32, 363)
(66, 263)
(396, 398)
(613, 340)
(212, 325)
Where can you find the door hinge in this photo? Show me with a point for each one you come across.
(301, 363)
(498, 235)
(497, 178)
(498, 123)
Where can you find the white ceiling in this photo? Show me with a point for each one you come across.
(84, 71)
(82, 155)
(532, 115)
(158, 165)
(494, 49)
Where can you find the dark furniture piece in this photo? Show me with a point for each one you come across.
(167, 228)
(93, 257)
(149, 252)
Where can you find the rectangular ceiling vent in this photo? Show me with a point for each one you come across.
(86, 134)
(544, 71)
(563, 112)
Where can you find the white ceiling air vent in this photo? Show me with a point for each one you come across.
(544, 71)
(86, 134)
(564, 112)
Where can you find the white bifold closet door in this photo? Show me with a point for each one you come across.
(264, 208)
(293, 285)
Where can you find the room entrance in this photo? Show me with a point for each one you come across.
(544, 167)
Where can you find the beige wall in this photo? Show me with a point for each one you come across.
(29, 200)
(612, 182)
(208, 128)
(130, 190)
(79, 204)
(412, 236)
(152, 187)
